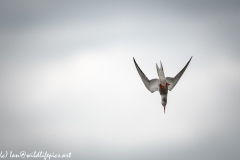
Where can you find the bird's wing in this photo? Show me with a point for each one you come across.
(152, 85)
(173, 81)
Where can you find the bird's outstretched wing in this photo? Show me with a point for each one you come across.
(173, 81)
(152, 85)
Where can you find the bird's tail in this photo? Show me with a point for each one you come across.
(160, 72)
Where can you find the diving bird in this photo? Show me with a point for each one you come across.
(162, 84)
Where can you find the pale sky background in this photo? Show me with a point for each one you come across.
(69, 84)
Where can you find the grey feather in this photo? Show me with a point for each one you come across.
(173, 81)
(152, 85)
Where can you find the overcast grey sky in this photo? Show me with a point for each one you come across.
(69, 84)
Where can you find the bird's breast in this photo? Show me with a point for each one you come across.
(163, 91)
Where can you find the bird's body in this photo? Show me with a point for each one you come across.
(162, 84)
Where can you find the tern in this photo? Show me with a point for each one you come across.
(162, 84)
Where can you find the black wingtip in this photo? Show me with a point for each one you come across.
(189, 60)
(134, 61)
